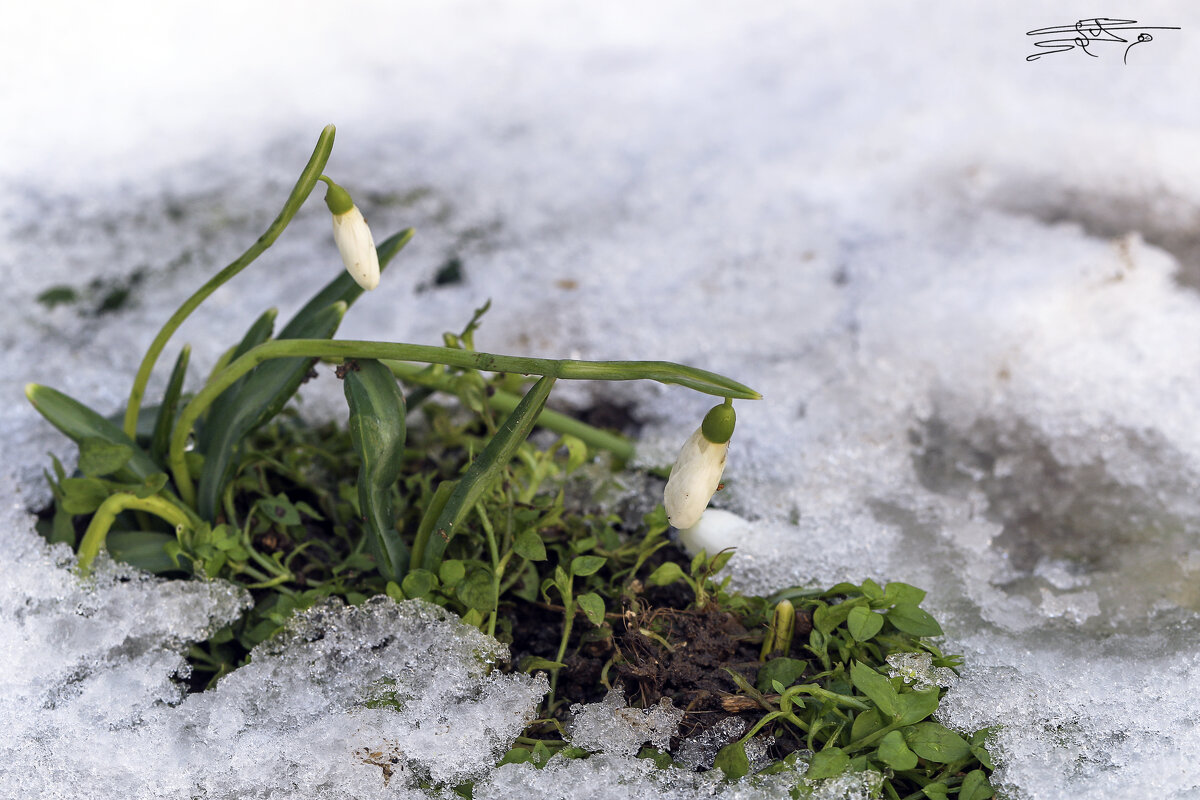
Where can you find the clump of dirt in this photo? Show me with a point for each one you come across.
(660, 646)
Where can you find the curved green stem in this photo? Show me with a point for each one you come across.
(304, 186)
(661, 371)
(106, 514)
(505, 402)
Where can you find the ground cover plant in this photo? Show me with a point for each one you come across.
(468, 508)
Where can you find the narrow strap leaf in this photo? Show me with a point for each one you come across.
(259, 332)
(166, 410)
(78, 422)
(264, 394)
(436, 503)
(377, 431)
(485, 470)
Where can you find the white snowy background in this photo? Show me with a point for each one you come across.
(965, 283)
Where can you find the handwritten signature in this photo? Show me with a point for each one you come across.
(1086, 32)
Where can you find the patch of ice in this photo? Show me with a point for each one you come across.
(699, 751)
(609, 776)
(370, 701)
(610, 726)
(918, 669)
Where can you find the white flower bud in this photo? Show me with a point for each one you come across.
(357, 247)
(694, 479)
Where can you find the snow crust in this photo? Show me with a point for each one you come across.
(964, 283)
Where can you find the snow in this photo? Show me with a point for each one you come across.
(964, 283)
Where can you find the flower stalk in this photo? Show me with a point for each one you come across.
(304, 186)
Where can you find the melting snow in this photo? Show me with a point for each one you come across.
(965, 284)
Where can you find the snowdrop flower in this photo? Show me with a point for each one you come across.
(697, 472)
(353, 237)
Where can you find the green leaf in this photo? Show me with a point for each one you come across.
(418, 583)
(267, 389)
(143, 549)
(719, 561)
(160, 438)
(936, 743)
(83, 495)
(151, 486)
(828, 763)
(593, 607)
(586, 565)
(517, 755)
(478, 591)
(577, 451)
(826, 618)
(871, 590)
(975, 787)
(530, 546)
(936, 791)
(981, 753)
(697, 567)
(896, 592)
(910, 619)
(486, 469)
(863, 623)
(534, 663)
(876, 687)
(895, 753)
(260, 331)
(916, 706)
(669, 572)
(98, 457)
(865, 724)
(661, 760)
(731, 759)
(785, 670)
(377, 431)
(451, 571)
(78, 422)
(280, 510)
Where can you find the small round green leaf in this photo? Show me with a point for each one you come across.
(593, 607)
(910, 619)
(975, 787)
(936, 743)
(863, 623)
(530, 546)
(666, 574)
(451, 572)
(895, 753)
(828, 763)
(418, 583)
(586, 565)
(732, 760)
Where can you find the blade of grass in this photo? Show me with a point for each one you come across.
(160, 439)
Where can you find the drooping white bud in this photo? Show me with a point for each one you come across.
(357, 247)
(352, 236)
(694, 479)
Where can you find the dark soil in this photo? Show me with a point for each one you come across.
(684, 657)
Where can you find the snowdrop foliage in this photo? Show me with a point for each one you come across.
(697, 472)
(353, 237)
